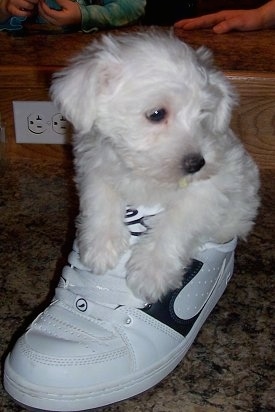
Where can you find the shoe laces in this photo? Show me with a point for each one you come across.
(108, 291)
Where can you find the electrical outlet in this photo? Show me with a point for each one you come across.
(59, 124)
(39, 122)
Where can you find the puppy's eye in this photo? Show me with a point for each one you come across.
(157, 115)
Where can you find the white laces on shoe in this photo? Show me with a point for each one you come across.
(108, 290)
(95, 294)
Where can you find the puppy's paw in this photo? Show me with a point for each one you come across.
(152, 276)
(102, 252)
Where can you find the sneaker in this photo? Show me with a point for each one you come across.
(97, 344)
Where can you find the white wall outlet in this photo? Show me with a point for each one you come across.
(59, 124)
(39, 122)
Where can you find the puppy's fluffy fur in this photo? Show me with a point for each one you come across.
(151, 118)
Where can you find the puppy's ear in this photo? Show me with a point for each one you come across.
(219, 96)
(76, 89)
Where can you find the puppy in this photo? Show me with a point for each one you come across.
(151, 118)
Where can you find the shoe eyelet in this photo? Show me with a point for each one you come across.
(81, 304)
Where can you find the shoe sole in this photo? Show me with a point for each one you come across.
(33, 398)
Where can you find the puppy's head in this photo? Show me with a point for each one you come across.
(158, 101)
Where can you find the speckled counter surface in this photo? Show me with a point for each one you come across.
(228, 368)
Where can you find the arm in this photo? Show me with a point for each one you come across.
(113, 13)
(228, 20)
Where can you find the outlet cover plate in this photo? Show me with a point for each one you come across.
(39, 122)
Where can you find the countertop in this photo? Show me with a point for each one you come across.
(230, 366)
(249, 51)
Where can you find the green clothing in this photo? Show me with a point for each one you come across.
(96, 14)
(111, 13)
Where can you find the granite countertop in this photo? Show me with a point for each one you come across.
(230, 365)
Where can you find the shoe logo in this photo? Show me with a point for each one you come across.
(196, 293)
(136, 219)
(181, 308)
(81, 304)
(136, 222)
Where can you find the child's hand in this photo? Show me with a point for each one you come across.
(69, 14)
(19, 8)
(225, 21)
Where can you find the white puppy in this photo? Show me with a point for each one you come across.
(151, 119)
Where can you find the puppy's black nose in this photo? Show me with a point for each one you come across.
(192, 163)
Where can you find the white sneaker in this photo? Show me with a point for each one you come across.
(97, 344)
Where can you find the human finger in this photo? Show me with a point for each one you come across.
(45, 10)
(69, 14)
(202, 22)
(22, 8)
(244, 21)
